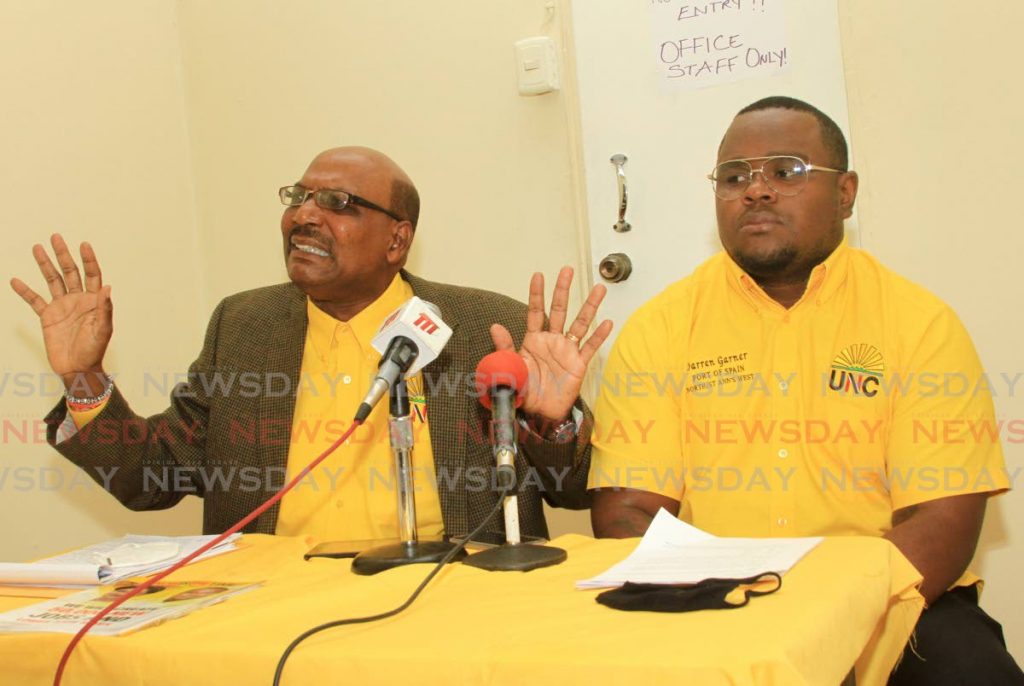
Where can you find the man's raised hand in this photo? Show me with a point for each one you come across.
(77, 322)
(555, 357)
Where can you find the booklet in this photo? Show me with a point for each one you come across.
(673, 552)
(158, 603)
(111, 561)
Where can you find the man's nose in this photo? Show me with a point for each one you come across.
(308, 212)
(758, 189)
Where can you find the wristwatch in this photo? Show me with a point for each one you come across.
(563, 432)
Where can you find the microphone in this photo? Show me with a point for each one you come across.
(410, 338)
(500, 377)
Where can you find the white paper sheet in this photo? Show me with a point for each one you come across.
(673, 552)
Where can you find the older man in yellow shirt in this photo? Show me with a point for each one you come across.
(283, 368)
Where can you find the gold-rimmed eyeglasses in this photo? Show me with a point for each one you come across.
(784, 174)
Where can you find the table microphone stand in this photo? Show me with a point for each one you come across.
(514, 555)
(410, 550)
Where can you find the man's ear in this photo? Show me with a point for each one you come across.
(401, 240)
(848, 183)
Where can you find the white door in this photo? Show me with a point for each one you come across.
(653, 80)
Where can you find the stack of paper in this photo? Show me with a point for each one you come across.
(673, 552)
(110, 561)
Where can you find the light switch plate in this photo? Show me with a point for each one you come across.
(536, 65)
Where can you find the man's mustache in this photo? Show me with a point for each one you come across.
(310, 232)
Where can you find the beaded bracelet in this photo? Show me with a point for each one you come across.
(89, 403)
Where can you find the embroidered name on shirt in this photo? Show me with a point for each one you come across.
(718, 371)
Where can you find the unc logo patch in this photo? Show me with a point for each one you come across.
(417, 399)
(857, 370)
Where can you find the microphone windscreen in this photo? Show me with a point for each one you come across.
(500, 368)
(419, 321)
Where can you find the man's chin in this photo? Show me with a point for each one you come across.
(308, 280)
(765, 263)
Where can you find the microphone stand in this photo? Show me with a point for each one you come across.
(514, 555)
(410, 550)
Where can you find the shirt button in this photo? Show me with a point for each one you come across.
(785, 319)
(782, 521)
(783, 386)
(338, 503)
(346, 379)
(783, 453)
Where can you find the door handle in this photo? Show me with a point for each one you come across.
(619, 160)
(615, 267)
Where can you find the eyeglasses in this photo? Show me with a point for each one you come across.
(784, 174)
(329, 199)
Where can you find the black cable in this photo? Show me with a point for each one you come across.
(391, 613)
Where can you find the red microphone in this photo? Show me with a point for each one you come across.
(500, 379)
(500, 369)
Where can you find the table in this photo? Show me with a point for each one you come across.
(850, 601)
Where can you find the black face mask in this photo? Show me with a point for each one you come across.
(710, 594)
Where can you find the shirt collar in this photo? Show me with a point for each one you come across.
(824, 281)
(324, 328)
(830, 275)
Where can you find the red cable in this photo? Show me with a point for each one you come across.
(160, 575)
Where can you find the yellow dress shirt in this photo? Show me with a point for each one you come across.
(352, 495)
(865, 397)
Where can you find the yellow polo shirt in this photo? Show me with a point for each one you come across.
(864, 397)
(352, 495)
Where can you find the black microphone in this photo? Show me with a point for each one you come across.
(503, 413)
(394, 363)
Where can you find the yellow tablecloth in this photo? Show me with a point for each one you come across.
(850, 600)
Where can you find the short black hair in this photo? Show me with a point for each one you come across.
(831, 135)
(405, 201)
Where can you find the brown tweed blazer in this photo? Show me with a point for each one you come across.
(225, 435)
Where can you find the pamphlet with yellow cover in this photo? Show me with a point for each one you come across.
(158, 603)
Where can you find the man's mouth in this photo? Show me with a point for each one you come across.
(759, 221)
(308, 248)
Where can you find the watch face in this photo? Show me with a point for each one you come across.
(564, 432)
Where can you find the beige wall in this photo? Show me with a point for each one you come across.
(268, 85)
(94, 146)
(159, 130)
(935, 103)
